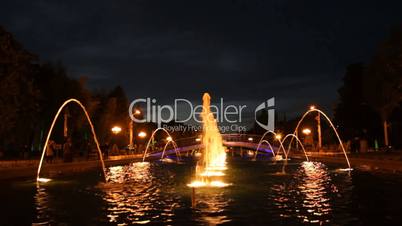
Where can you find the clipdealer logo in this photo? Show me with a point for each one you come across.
(269, 107)
(225, 114)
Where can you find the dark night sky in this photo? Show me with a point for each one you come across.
(244, 51)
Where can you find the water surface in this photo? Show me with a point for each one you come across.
(262, 193)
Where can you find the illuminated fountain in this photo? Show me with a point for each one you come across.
(169, 139)
(259, 145)
(298, 140)
(38, 178)
(313, 109)
(278, 138)
(213, 160)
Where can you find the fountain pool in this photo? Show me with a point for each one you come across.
(263, 193)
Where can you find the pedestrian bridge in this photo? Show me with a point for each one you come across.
(234, 142)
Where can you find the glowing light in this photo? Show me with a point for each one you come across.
(43, 180)
(142, 134)
(312, 107)
(216, 168)
(167, 160)
(278, 157)
(219, 184)
(306, 131)
(215, 183)
(250, 139)
(198, 139)
(169, 138)
(116, 129)
(137, 112)
(278, 136)
(345, 170)
(196, 184)
(212, 174)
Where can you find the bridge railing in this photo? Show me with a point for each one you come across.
(188, 141)
(183, 144)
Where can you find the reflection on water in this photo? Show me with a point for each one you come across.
(315, 185)
(306, 195)
(135, 196)
(212, 205)
(42, 207)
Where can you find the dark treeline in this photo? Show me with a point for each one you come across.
(370, 99)
(31, 93)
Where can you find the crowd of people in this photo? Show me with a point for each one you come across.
(55, 151)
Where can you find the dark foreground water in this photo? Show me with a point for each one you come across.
(262, 193)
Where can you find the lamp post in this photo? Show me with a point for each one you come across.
(65, 123)
(318, 118)
(131, 127)
(308, 139)
(115, 130)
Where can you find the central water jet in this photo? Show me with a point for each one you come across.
(213, 160)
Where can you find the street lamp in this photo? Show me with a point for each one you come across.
(131, 125)
(116, 129)
(137, 112)
(278, 136)
(142, 134)
(306, 131)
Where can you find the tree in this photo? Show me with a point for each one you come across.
(112, 109)
(18, 95)
(352, 113)
(383, 82)
(56, 87)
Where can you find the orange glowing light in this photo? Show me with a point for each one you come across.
(116, 129)
(142, 134)
(43, 180)
(215, 183)
(278, 136)
(212, 174)
(306, 131)
(137, 112)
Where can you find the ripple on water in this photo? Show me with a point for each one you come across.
(135, 196)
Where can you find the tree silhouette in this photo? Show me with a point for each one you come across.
(18, 96)
(383, 83)
(352, 113)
